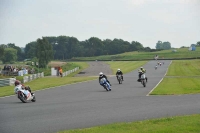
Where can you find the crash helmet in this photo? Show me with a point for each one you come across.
(17, 82)
(141, 67)
(118, 70)
(100, 74)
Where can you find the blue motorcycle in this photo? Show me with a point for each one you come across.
(105, 84)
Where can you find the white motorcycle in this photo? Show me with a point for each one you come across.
(24, 95)
(119, 78)
(143, 80)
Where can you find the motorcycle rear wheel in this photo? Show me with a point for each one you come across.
(143, 83)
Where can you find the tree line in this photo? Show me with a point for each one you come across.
(65, 47)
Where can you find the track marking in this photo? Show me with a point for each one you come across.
(160, 80)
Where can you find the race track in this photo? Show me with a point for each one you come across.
(87, 104)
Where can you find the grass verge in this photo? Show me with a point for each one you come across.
(125, 66)
(181, 53)
(183, 77)
(178, 124)
(184, 68)
(175, 86)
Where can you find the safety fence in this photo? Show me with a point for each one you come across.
(32, 77)
(11, 81)
(7, 82)
(70, 71)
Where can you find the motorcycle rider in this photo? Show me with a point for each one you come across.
(141, 71)
(101, 75)
(19, 85)
(156, 67)
(119, 72)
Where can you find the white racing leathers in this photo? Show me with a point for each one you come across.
(26, 92)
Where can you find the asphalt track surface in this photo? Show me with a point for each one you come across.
(87, 104)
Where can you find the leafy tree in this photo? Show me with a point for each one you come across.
(62, 47)
(198, 43)
(159, 45)
(44, 52)
(30, 50)
(65, 47)
(11, 45)
(139, 46)
(10, 55)
(96, 46)
(163, 45)
(73, 47)
(147, 49)
(1, 51)
(166, 45)
(20, 53)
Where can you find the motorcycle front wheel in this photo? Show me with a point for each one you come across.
(22, 97)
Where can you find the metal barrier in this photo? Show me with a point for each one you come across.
(32, 77)
(70, 71)
(11, 81)
(7, 82)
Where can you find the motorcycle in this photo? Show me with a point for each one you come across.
(105, 84)
(143, 80)
(119, 78)
(24, 95)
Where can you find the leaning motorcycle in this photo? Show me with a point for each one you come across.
(119, 78)
(105, 84)
(24, 95)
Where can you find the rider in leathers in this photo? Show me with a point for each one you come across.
(141, 71)
(19, 85)
(101, 75)
(119, 72)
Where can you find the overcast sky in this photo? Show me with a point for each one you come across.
(145, 21)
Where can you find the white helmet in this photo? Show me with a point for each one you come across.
(118, 69)
(141, 67)
(100, 74)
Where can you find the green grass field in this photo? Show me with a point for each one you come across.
(125, 66)
(184, 68)
(183, 77)
(164, 54)
(178, 124)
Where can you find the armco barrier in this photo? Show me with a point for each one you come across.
(7, 82)
(32, 77)
(10, 81)
(70, 71)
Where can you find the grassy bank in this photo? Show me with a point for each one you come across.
(178, 124)
(125, 66)
(183, 77)
(184, 68)
(164, 54)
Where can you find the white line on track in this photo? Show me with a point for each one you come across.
(160, 80)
